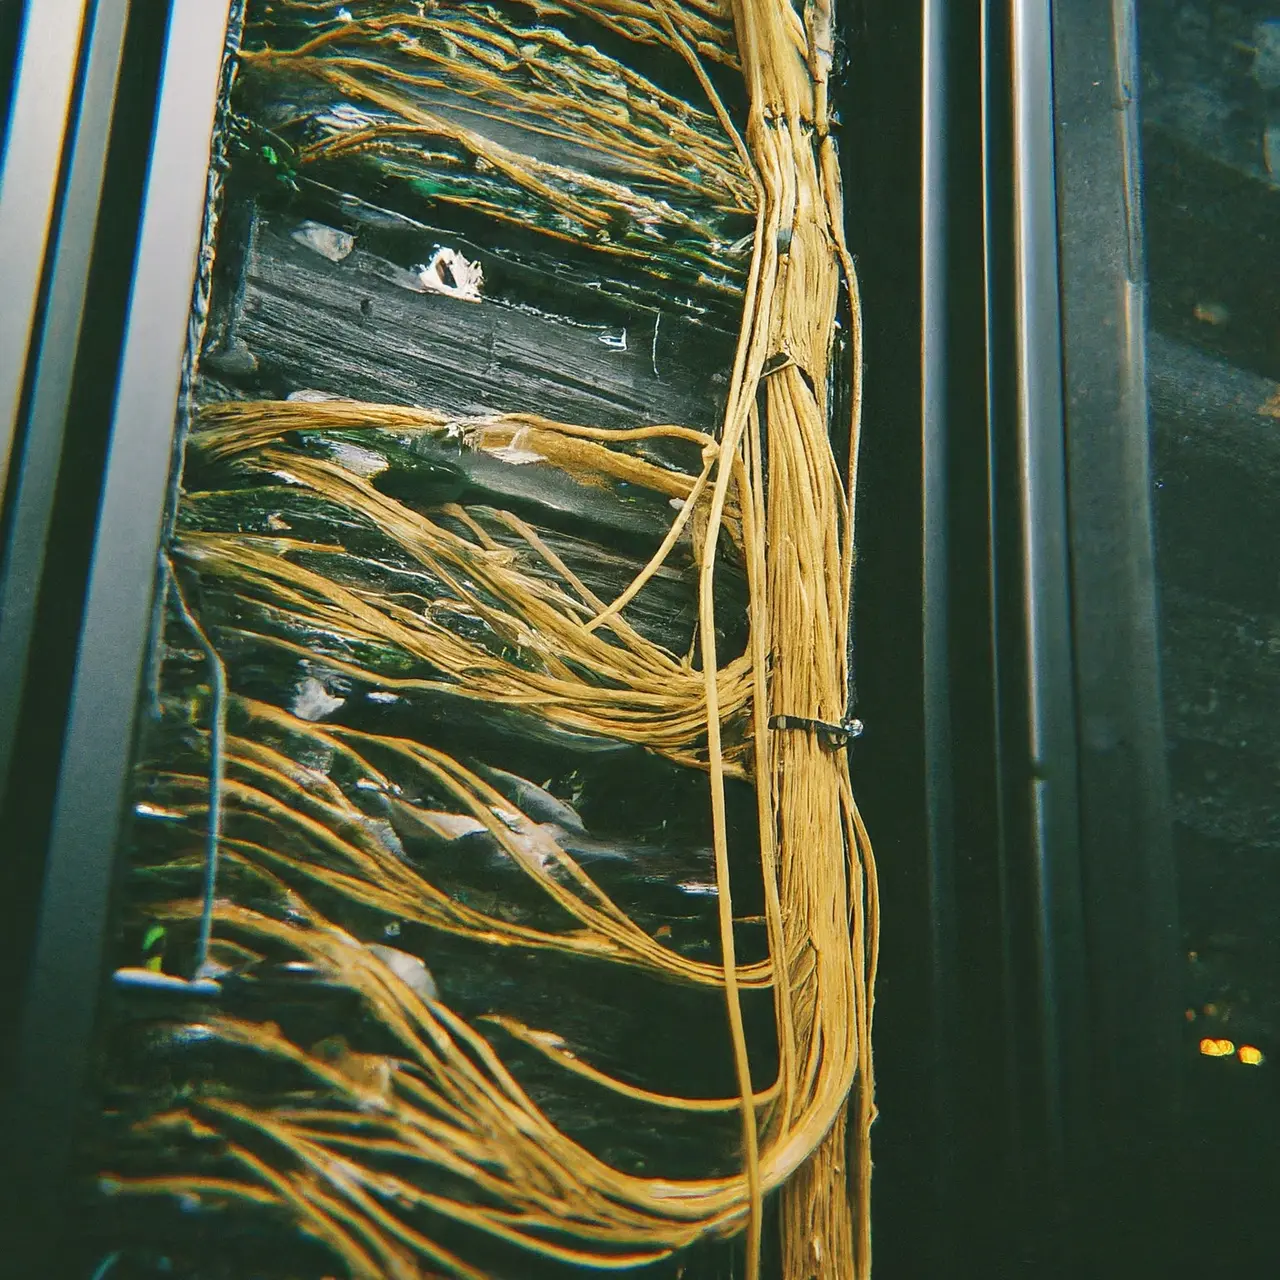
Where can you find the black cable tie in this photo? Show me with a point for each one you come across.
(835, 736)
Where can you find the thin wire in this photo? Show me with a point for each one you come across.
(217, 768)
(100, 1271)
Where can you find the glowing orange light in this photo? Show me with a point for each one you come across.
(1250, 1056)
(1217, 1048)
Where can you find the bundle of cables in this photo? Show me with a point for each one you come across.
(277, 835)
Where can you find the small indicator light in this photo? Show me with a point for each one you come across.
(1216, 1048)
(1251, 1056)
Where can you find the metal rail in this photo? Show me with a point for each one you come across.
(67, 975)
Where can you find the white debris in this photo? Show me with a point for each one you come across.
(450, 274)
(537, 802)
(517, 453)
(451, 826)
(346, 115)
(308, 395)
(328, 242)
(537, 844)
(699, 887)
(409, 969)
(517, 457)
(313, 701)
(145, 810)
(149, 980)
(359, 461)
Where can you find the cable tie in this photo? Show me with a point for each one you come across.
(835, 736)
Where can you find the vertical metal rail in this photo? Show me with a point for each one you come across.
(40, 114)
(1052, 783)
(62, 997)
(935, 404)
(1038, 702)
(55, 487)
(997, 220)
(37, 451)
(1088, 885)
(974, 1041)
(1045, 1042)
(1046, 567)
(1130, 914)
(12, 19)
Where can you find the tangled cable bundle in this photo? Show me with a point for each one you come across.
(466, 606)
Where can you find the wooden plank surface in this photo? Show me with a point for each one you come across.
(362, 328)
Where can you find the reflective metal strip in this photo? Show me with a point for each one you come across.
(43, 102)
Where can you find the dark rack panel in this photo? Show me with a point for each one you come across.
(1209, 115)
(1006, 653)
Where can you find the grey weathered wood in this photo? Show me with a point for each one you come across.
(361, 328)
